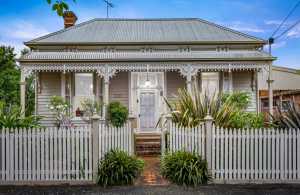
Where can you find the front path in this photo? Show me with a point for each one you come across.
(151, 175)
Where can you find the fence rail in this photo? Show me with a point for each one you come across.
(242, 155)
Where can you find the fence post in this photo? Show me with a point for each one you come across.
(95, 142)
(208, 120)
(132, 136)
(164, 133)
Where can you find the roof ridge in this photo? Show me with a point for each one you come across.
(230, 30)
(144, 19)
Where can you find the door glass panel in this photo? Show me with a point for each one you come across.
(147, 111)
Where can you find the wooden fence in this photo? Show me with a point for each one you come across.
(45, 154)
(64, 154)
(255, 155)
(188, 139)
(116, 138)
(242, 155)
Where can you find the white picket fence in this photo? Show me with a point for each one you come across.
(187, 139)
(120, 138)
(242, 155)
(256, 155)
(45, 154)
(52, 154)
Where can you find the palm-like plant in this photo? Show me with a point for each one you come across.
(191, 108)
(289, 118)
(12, 118)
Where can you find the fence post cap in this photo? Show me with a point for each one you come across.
(208, 118)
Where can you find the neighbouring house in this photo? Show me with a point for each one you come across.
(139, 61)
(286, 88)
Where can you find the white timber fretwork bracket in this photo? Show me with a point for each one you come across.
(188, 71)
(106, 72)
(26, 72)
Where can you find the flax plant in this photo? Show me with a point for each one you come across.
(190, 109)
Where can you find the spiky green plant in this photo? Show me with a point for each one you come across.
(12, 118)
(191, 108)
(118, 168)
(185, 168)
(289, 118)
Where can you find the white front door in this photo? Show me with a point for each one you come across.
(147, 116)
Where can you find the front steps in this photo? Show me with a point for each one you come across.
(148, 144)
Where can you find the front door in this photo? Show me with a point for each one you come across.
(147, 111)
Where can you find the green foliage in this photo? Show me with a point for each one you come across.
(247, 120)
(59, 6)
(9, 86)
(9, 77)
(289, 118)
(185, 168)
(30, 96)
(190, 109)
(228, 110)
(61, 111)
(117, 114)
(10, 81)
(7, 57)
(118, 168)
(240, 99)
(11, 117)
(89, 107)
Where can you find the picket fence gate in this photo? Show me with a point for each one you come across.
(58, 154)
(121, 138)
(241, 155)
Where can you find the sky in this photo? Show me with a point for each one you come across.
(23, 20)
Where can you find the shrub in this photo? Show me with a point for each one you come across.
(228, 110)
(61, 110)
(118, 168)
(117, 114)
(89, 107)
(185, 168)
(12, 118)
(240, 99)
(191, 108)
(247, 120)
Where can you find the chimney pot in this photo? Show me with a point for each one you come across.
(69, 19)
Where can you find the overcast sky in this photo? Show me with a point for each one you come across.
(23, 20)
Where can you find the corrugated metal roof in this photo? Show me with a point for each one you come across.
(173, 55)
(145, 31)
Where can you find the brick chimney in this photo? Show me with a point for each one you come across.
(69, 19)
